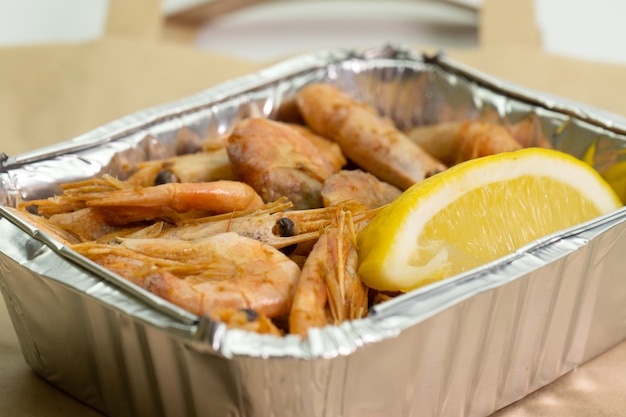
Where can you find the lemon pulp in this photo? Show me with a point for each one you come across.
(476, 212)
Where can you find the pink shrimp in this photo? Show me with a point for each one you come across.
(366, 138)
(329, 149)
(86, 223)
(75, 195)
(206, 166)
(359, 186)
(169, 200)
(454, 142)
(276, 160)
(205, 277)
(329, 290)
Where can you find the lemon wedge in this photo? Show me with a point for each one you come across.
(476, 212)
(615, 175)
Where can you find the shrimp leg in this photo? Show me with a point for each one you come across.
(266, 224)
(273, 224)
(75, 195)
(347, 294)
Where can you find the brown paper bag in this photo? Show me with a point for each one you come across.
(511, 50)
(52, 93)
(55, 92)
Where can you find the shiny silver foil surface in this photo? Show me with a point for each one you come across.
(463, 347)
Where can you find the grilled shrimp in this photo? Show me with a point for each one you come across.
(168, 201)
(358, 186)
(59, 233)
(278, 161)
(329, 290)
(366, 138)
(86, 224)
(309, 303)
(274, 224)
(329, 149)
(210, 165)
(270, 224)
(205, 277)
(454, 142)
(247, 319)
(75, 195)
(132, 265)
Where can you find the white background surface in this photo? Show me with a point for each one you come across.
(277, 29)
(576, 28)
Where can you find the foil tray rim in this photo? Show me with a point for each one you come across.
(373, 328)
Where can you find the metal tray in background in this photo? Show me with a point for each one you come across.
(464, 347)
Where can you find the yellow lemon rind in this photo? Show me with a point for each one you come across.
(385, 244)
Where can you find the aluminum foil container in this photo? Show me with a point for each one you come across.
(463, 347)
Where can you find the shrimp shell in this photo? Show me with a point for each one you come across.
(168, 200)
(309, 304)
(455, 142)
(209, 277)
(204, 166)
(246, 273)
(246, 319)
(276, 160)
(359, 186)
(87, 223)
(367, 139)
(330, 289)
(528, 133)
(260, 224)
(59, 233)
(329, 149)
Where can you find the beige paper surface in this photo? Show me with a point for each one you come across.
(52, 93)
(137, 19)
(511, 50)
